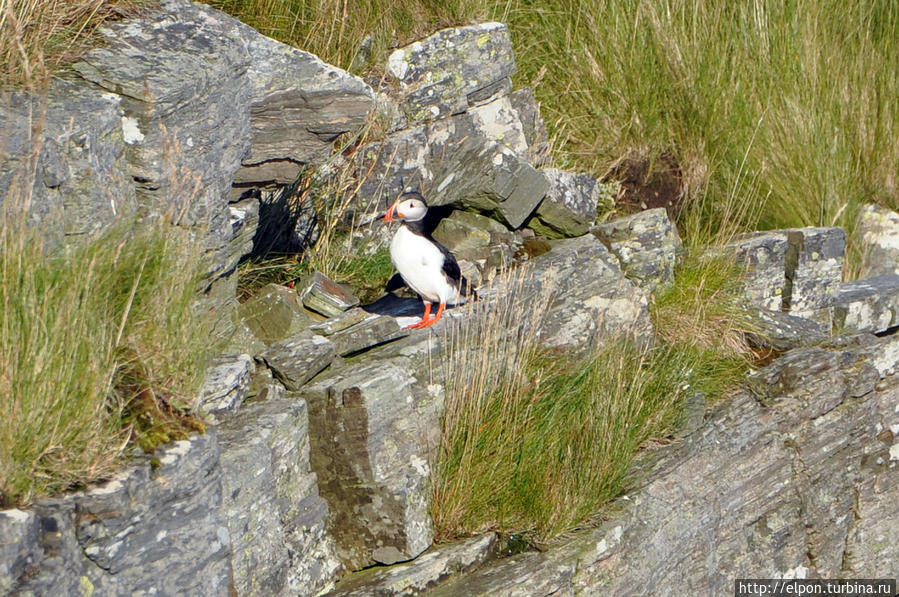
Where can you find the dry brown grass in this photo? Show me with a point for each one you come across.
(37, 36)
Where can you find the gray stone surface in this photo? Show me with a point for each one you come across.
(762, 255)
(298, 106)
(181, 75)
(275, 515)
(153, 529)
(592, 301)
(374, 330)
(227, 383)
(79, 183)
(647, 245)
(570, 205)
(297, 359)
(372, 428)
(413, 578)
(814, 271)
(19, 546)
(534, 128)
(877, 234)
(273, 313)
(452, 69)
(793, 481)
(869, 305)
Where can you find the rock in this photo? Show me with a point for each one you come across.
(345, 320)
(372, 331)
(877, 229)
(297, 359)
(464, 231)
(422, 573)
(19, 549)
(227, 383)
(534, 128)
(175, 108)
(497, 121)
(592, 302)
(797, 484)
(782, 331)
(130, 535)
(814, 271)
(647, 245)
(273, 313)
(371, 429)
(275, 515)
(320, 294)
(81, 140)
(869, 305)
(762, 255)
(452, 70)
(243, 215)
(298, 106)
(570, 205)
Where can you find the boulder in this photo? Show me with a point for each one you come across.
(298, 106)
(374, 330)
(276, 518)
(869, 305)
(782, 331)
(647, 245)
(320, 294)
(453, 69)
(464, 232)
(877, 231)
(273, 313)
(534, 128)
(372, 428)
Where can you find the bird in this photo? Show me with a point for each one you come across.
(426, 266)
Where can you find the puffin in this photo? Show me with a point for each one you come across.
(426, 266)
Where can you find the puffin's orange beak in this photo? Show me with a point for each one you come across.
(392, 213)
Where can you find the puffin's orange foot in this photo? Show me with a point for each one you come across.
(424, 319)
(427, 324)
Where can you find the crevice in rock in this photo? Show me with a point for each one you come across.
(795, 241)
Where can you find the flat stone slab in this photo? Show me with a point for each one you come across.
(570, 205)
(273, 313)
(373, 331)
(782, 331)
(322, 295)
(869, 305)
(421, 573)
(297, 359)
(227, 383)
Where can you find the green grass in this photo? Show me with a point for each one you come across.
(100, 346)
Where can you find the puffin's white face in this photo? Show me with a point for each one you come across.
(409, 209)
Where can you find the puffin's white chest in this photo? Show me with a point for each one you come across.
(420, 263)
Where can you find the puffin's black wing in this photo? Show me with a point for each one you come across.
(453, 273)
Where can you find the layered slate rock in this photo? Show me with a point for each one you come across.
(422, 573)
(877, 229)
(20, 548)
(273, 313)
(130, 535)
(453, 69)
(298, 106)
(534, 128)
(814, 271)
(796, 482)
(647, 245)
(322, 295)
(297, 359)
(227, 383)
(592, 302)
(372, 428)
(80, 182)
(181, 75)
(782, 331)
(869, 305)
(570, 205)
(275, 515)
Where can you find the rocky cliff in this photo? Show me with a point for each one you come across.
(325, 413)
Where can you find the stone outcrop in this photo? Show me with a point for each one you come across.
(570, 205)
(878, 230)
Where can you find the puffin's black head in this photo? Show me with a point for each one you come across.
(410, 207)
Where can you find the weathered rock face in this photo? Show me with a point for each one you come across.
(130, 535)
(371, 430)
(647, 245)
(453, 69)
(797, 482)
(878, 231)
(869, 305)
(279, 543)
(570, 205)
